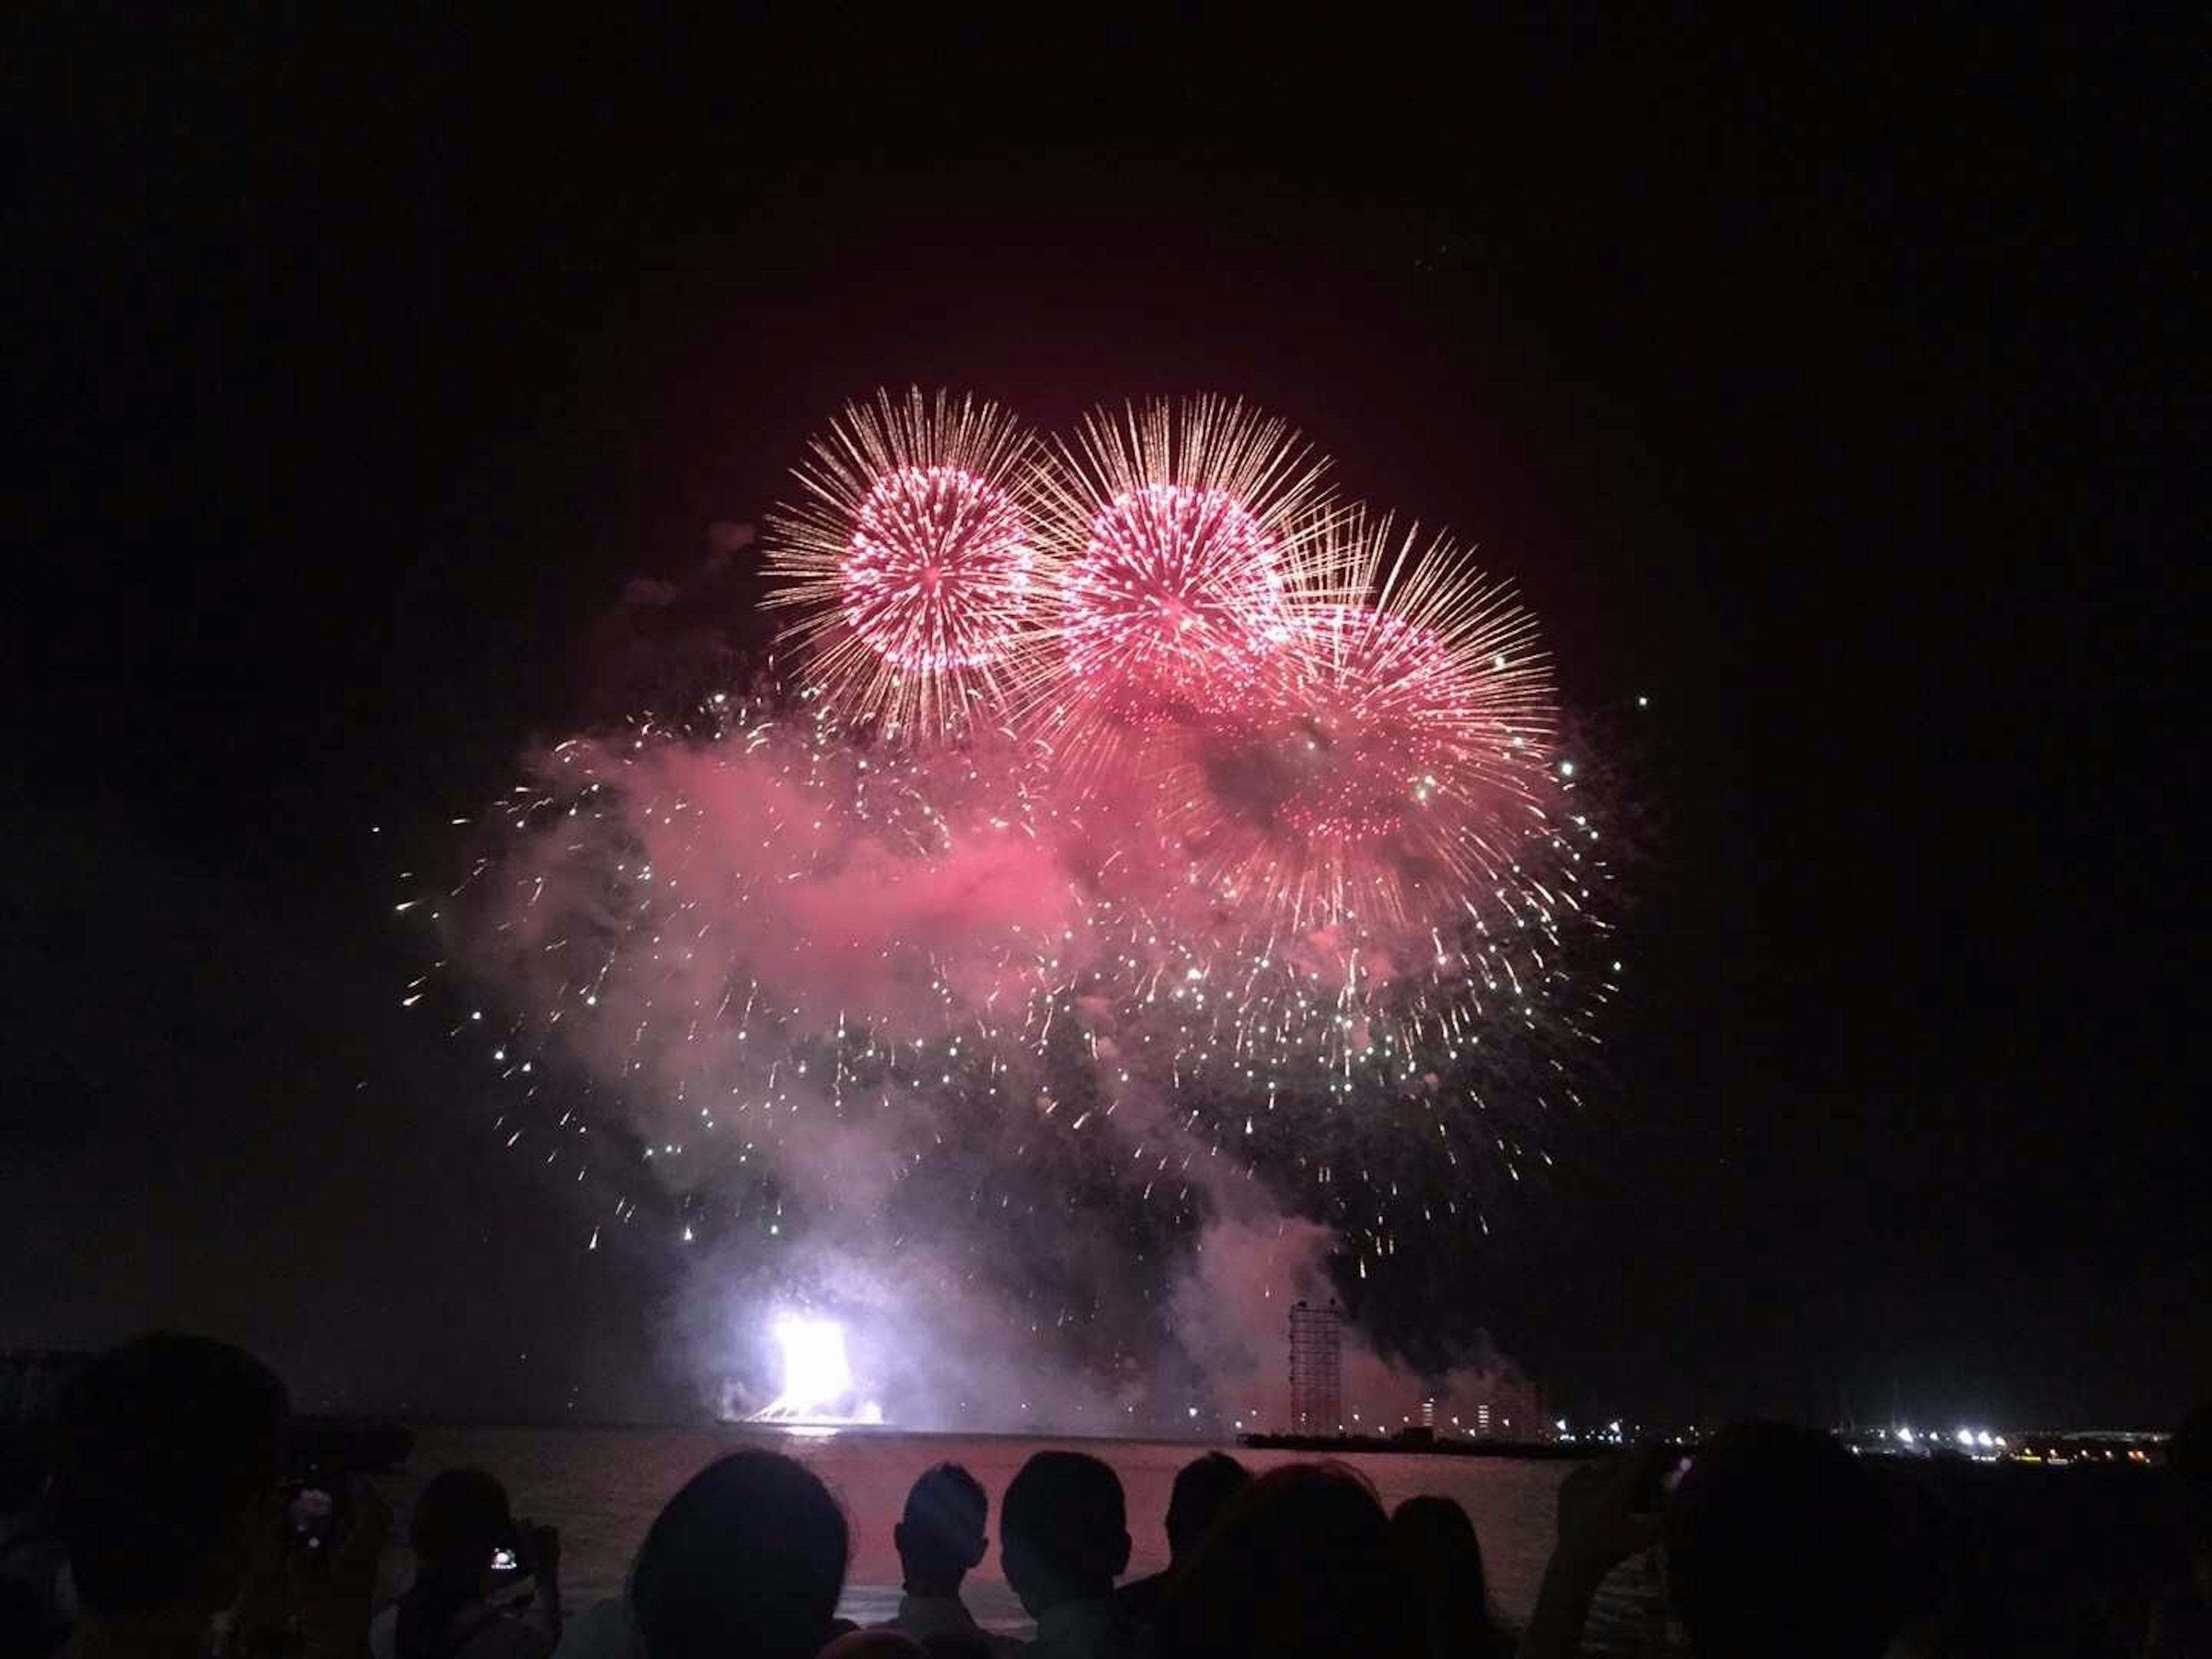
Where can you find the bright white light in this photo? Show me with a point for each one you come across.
(1905, 1435)
(1966, 1436)
(1984, 1438)
(815, 1374)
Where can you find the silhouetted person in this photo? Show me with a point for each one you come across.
(939, 1537)
(746, 1561)
(1063, 1540)
(1441, 1561)
(1778, 1538)
(1203, 1490)
(2182, 1623)
(34, 1616)
(1300, 1563)
(165, 1465)
(460, 1520)
(881, 1643)
(163, 1493)
(1777, 1542)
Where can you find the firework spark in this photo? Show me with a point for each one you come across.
(914, 563)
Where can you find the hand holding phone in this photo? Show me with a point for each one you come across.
(545, 1551)
(1609, 1512)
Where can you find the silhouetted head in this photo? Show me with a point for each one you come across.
(746, 1561)
(1441, 1560)
(166, 1461)
(461, 1518)
(1203, 1488)
(2188, 1464)
(1299, 1563)
(1063, 1530)
(1776, 1541)
(22, 1471)
(941, 1535)
(875, 1644)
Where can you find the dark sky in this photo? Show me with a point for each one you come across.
(1837, 393)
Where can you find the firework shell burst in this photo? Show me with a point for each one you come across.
(914, 563)
(1182, 530)
(1391, 759)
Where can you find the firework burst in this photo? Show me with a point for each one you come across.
(1273, 871)
(1392, 758)
(1182, 528)
(914, 562)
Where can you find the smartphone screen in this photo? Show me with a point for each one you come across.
(312, 1513)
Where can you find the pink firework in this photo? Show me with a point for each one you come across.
(1181, 529)
(1377, 701)
(1393, 756)
(916, 564)
(937, 576)
(1177, 593)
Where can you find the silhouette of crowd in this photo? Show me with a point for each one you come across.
(159, 1525)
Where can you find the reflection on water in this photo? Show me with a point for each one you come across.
(602, 1487)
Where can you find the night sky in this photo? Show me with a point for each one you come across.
(1836, 394)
